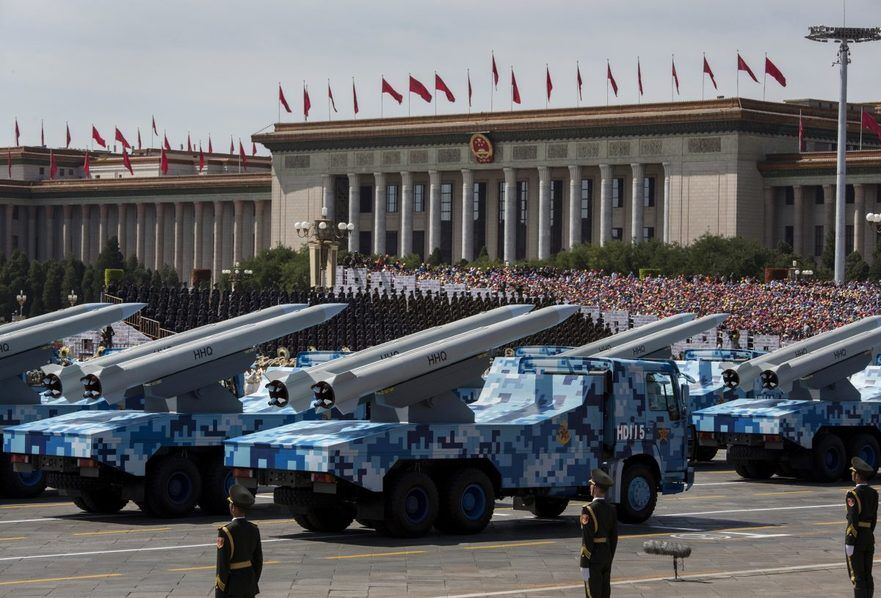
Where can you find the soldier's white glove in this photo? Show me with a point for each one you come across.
(585, 573)
(848, 549)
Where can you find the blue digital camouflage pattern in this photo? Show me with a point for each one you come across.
(539, 350)
(539, 420)
(306, 359)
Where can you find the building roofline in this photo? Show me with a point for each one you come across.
(261, 181)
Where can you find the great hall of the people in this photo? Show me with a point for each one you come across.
(522, 185)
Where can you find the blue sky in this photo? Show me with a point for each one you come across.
(214, 66)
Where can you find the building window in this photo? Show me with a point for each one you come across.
(523, 200)
(648, 192)
(818, 196)
(790, 195)
(617, 233)
(848, 194)
(501, 201)
(819, 240)
(648, 233)
(446, 203)
(365, 199)
(475, 200)
(789, 235)
(391, 199)
(586, 197)
(617, 193)
(42, 171)
(418, 197)
(70, 171)
(848, 239)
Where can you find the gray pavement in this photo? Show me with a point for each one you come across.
(774, 538)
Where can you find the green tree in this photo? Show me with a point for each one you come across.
(855, 267)
(36, 283)
(73, 277)
(52, 299)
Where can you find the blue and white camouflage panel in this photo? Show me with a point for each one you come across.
(13, 415)
(307, 359)
(539, 350)
(540, 424)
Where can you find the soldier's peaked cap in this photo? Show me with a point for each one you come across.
(241, 497)
(860, 466)
(601, 479)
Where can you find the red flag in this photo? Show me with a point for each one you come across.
(549, 85)
(139, 137)
(17, 133)
(611, 79)
(253, 149)
(53, 165)
(709, 71)
(743, 66)
(165, 143)
(801, 133)
(419, 89)
(9, 162)
(163, 162)
(86, 170)
(210, 147)
(201, 159)
(330, 97)
(354, 96)
(67, 143)
(440, 85)
(386, 88)
(870, 123)
(121, 138)
(771, 69)
(307, 103)
(126, 162)
(675, 76)
(42, 135)
(515, 91)
(189, 145)
(155, 132)
(578, 79)
(232, 147)
(639, 75)
(97, 137)
(495, 72)
(282, 99)
(242, 155)
(469, 89)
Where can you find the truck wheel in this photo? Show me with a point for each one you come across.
(331, 520)
(411, 505)
(705, 453)
(19, 485)
(639, 494)
(548, 507)
(173, 487)
(830, 459)
(467, 503)
(102, 500)
(866, 448)
(216, 482)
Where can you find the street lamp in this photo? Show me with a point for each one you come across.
(21, 298)
(72, 298)
(236, 274)
(324, 238)
(876, 220)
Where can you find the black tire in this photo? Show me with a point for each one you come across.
(216, 481)
(173, 487)
(761, 470)
(332, 520)
(19, 485)
(786, 470)
(305, 522)
(145, 508)
(101, 500)
(742, 470)
(411, 505)
(548, 507)
(467, 502)
(639, 494)
(866, 447)
(830, 459)
(705, 453)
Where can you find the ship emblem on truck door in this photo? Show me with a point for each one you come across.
(563, 436)
(663, 434)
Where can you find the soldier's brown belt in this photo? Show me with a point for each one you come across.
(239, 565)
(600, 540)
(864, 524)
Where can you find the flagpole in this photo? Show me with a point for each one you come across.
(278, 101)
(152, 120)
(608, 67)
(492, 83)
(468, 81)
(305, 91)
(672, 66)
(800, 129)
(639, 81)
(435, 93)
(577, 88)
(861, 128)
(511, 88)
(765, 78)
(354, 95)
(737, 85)
(703, 76)
(409, 94)
(381, 97)
(328, 98)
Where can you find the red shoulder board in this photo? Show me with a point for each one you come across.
(219, 542)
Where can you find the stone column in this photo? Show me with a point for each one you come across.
(544, 213)
(434, 215)
(238, 212)
(666, 218)
(328, 196)
(217, 257)
(102, 226)
(8, 245)
(66, 241)
(510, 215)
(379, 213)
(406, 214)
(605, 204)
(141, 233)
(859, 218)
(467, 214)
(798, 219)
(354, 211)
(120, 228)
(85, 232)
(574, 206)
(769, 216)
(32, 232)
(179, 239)
(636, 189)
(198, 235)
(259, 215)
(49, 212)
(160, 228)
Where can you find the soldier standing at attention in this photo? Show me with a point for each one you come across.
(859, 539)
(239, 552)
(599, 537)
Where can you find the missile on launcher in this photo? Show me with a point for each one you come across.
(616, 340)
(658, 344)
(50, 317)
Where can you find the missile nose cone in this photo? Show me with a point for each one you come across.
(289, 308)
(129, 309)
(563, 312)
(332, 309)
(518, 309)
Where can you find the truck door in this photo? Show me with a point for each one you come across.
(666, 420)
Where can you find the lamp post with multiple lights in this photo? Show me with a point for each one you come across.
(324, 239)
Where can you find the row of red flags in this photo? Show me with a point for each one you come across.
(420, 89)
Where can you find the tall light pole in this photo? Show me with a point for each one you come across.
(843, 36)
(324, 238)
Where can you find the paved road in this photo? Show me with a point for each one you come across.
(777, 538)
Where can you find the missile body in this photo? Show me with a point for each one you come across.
(658, 341)
(746, 373)
(113, 381)
(628, 336)
(295, 387)
(59, 379)
(345, 389)
(50, 317)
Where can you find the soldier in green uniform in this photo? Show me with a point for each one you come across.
(599, 537)
(859, 538)
(239, 552)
